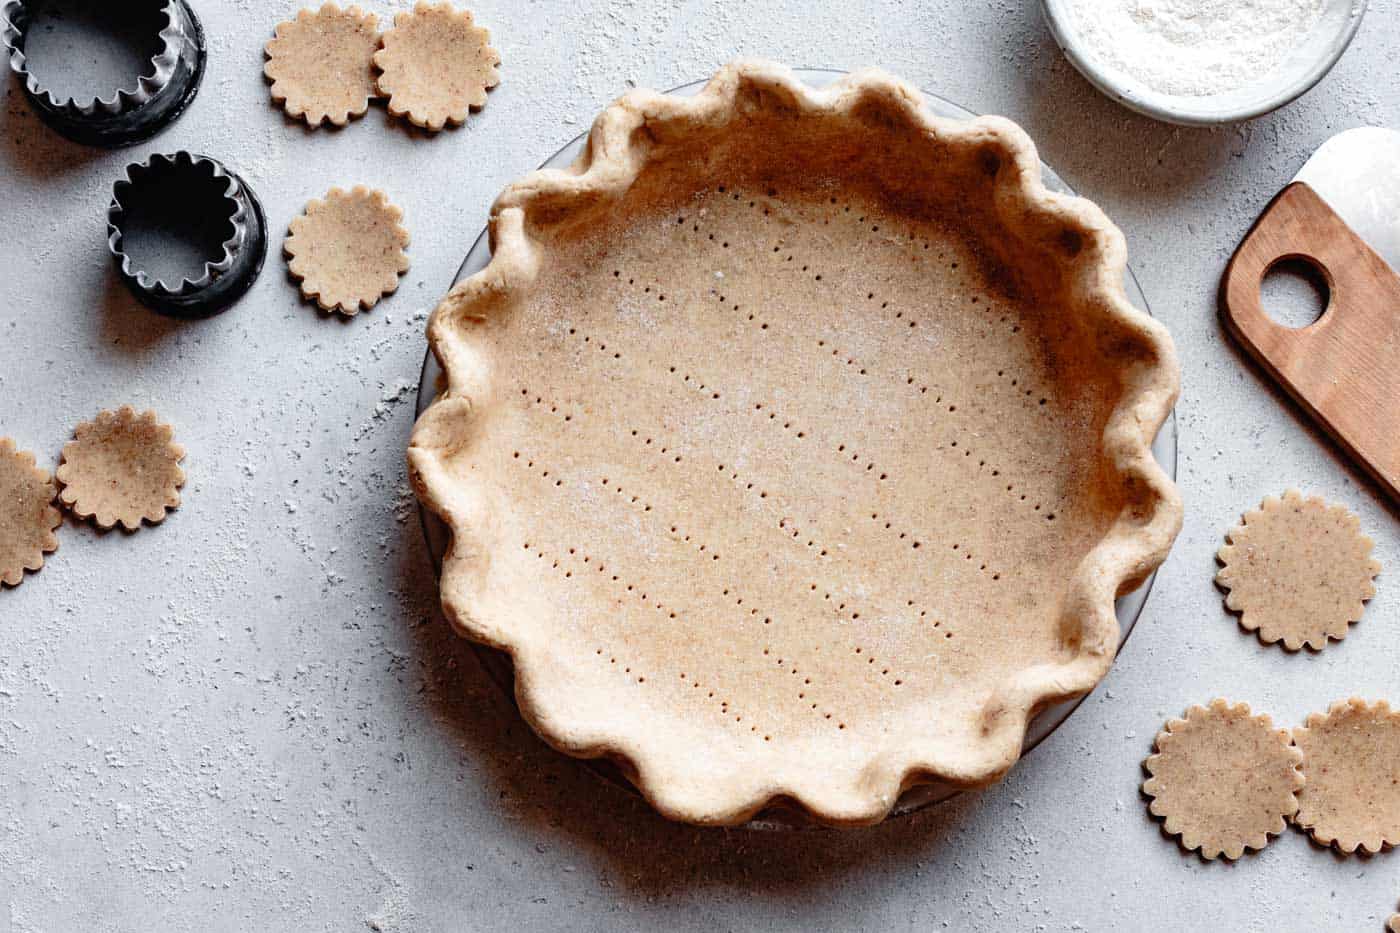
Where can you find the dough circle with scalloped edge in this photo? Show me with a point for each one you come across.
(348, 249)
(321, 64)
(27, 515)
(1298, 571)
(122, 468)
(436, 66)
(1351, 755)
(1222, 780)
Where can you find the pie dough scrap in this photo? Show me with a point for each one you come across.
(122, 467)
(1223, 781)
(322, 64)
(1297, 571)
(348, 250)
(803, 427)
(436, 66)
(1393, 925)
(1351, 756)
(27, 514)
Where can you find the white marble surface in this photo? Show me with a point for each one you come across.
(252, 717)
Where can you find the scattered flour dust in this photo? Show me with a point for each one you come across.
(1193, 48)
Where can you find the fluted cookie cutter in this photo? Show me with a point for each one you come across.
(188, 234)
(143, 105)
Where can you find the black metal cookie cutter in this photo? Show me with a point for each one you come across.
(139, 108)
(203, 207)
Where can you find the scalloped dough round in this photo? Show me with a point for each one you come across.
(1223, 781)
(803, 428)
(1298, 571)
(436, 66)
(1352, 796)
(27, 515)
(322, 64)
(122, 467)
(348, 250)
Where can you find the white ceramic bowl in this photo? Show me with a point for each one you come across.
(1307, 64)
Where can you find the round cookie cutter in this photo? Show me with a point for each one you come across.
(196, 199)
(135, 111)
(497, 663)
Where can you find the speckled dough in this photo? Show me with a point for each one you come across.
(322, 64)
(1298, 571)
(348, 250)
(1223, 781)
(802, 427)
(27, 515)
(122, 468)
(1351, 756)
(436, 66)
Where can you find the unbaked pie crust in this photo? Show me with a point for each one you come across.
(795, 445)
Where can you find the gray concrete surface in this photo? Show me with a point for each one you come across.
(253, 718)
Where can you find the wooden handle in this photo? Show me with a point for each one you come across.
(1344, 368)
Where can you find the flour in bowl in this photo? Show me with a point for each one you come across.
(1193, 48)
